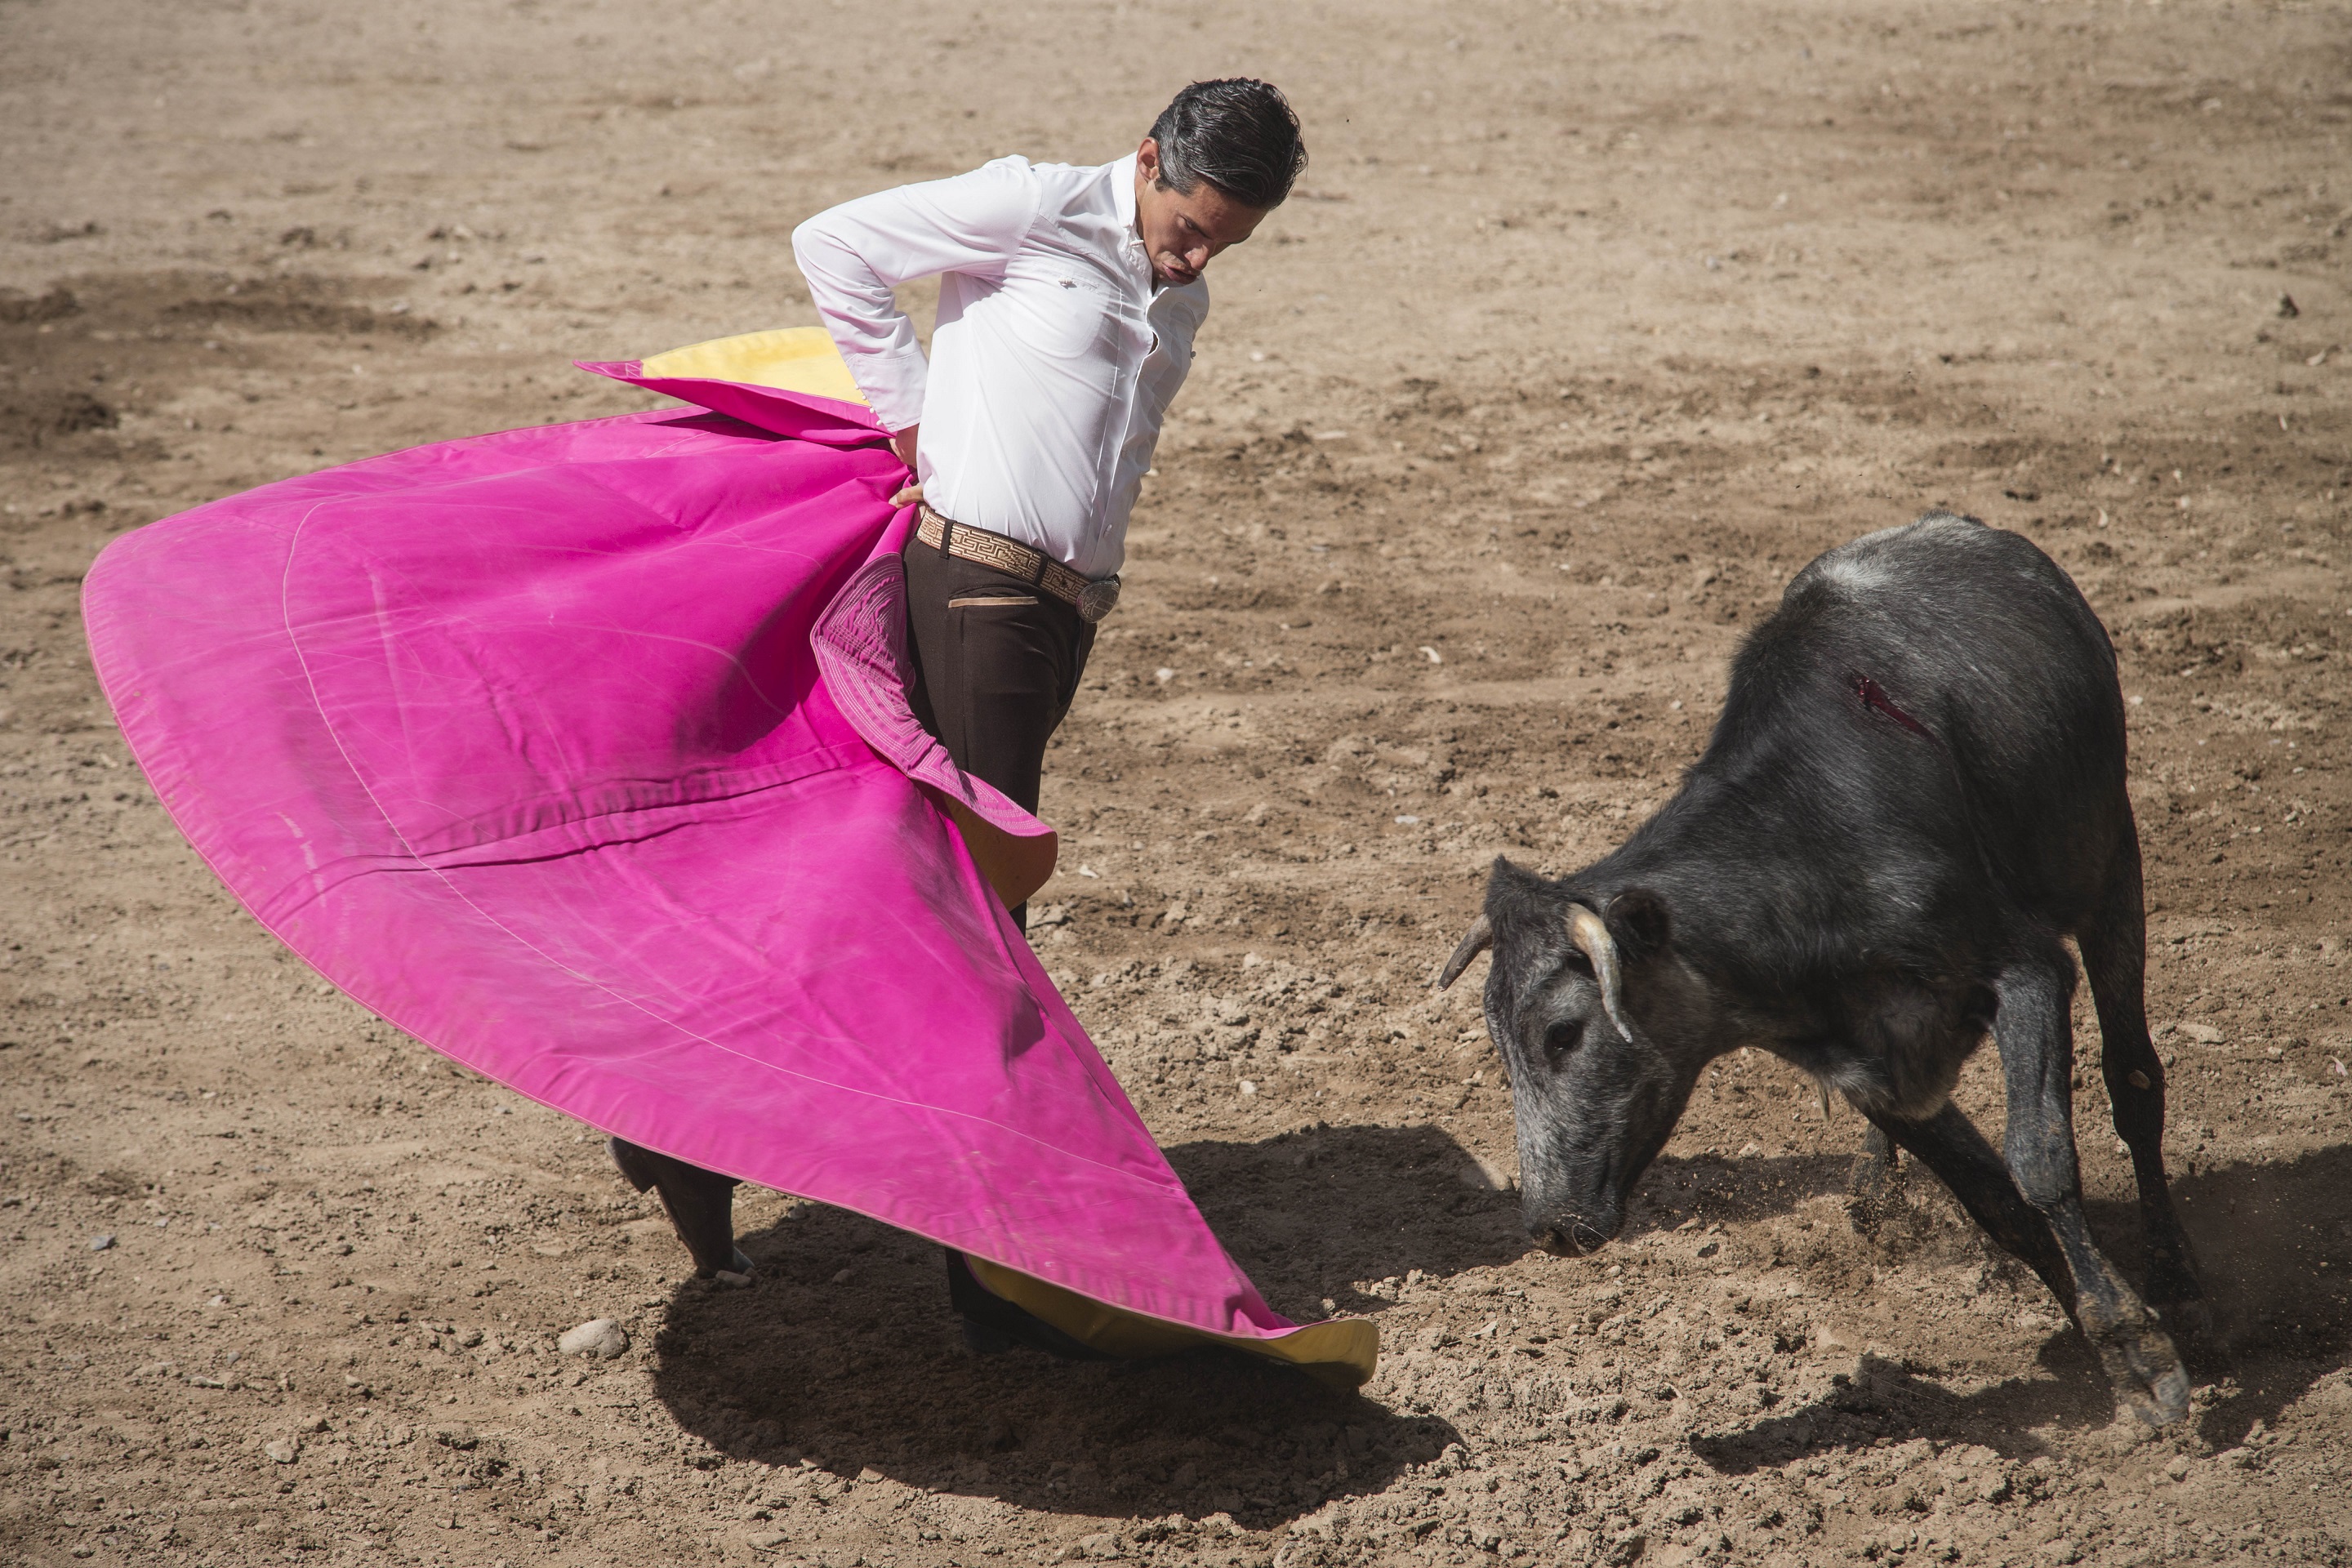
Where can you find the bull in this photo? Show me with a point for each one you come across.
(1915, 794)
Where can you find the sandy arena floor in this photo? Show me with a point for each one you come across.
(1593, 324)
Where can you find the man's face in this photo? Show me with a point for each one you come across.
(1181, 232)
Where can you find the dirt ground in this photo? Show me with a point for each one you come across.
(1593, 323)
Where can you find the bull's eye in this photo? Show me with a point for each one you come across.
(1563, 1037)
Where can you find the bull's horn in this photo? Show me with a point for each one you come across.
(1481, 937)
(1591, 934)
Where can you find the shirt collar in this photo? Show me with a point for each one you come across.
(1123, 195)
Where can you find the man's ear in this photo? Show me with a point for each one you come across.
(1639, 923)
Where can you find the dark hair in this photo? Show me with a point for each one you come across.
(1239, 134)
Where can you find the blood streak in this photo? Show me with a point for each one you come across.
(1874, 697)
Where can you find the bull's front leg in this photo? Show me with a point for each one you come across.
(1874, 1187)
(1950, 1144)
(2033, 1025)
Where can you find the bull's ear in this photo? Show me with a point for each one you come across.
(1507, 877)
(1640, 923)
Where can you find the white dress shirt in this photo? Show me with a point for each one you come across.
(1055, 358)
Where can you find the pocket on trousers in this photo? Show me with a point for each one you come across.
(992, 601)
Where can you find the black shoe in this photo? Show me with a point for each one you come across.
(992, 1325)
(702, 1206)
(981, 1339)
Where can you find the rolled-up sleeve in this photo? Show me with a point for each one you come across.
(853, 254)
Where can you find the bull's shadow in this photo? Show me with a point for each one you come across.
(2274, 1240)
(846, 1352)
(1883, 1400)
(2274, 1244)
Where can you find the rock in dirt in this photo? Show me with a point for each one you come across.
(284, 1451)
(601, 1337)
(100, 1243)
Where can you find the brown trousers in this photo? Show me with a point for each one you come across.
(997, 661)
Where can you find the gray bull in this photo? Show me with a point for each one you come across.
(1915, 792)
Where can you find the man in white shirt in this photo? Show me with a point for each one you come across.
(1069, 302)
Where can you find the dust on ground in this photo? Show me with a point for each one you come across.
(1592, 323)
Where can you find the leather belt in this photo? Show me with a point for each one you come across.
(1092, 599)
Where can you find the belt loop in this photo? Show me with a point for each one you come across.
(947, 532)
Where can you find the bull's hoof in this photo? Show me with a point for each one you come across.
(2145, 1369)
(1869, 1214)
(1874, 1196)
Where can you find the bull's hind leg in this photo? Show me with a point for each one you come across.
(2114, 956)
(2034, 1026)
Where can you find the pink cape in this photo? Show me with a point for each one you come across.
(583, 755)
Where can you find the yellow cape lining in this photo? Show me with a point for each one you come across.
(788, 359)
(1339, 1351)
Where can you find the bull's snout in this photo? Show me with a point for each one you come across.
(1570, 1236)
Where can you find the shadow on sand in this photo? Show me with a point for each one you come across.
(846, 1352)
(2274, 1242)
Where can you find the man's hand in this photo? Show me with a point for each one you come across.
(903, 443)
